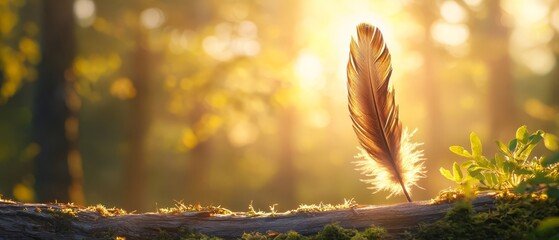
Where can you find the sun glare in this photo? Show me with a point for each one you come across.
(309, 71)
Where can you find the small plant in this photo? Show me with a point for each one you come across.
(511, 169)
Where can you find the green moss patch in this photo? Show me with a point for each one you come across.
(515, 217)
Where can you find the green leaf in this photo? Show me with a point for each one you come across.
(550, 160)
(534, 139)
(523, 170)
(539, 133)
(541, 178)
(483, 162)
(446, 174)
(476, 144)
(522, 188)
(478, 168)
(508, 167)
(553, 192)
(467, 164)
(512, 145)
(494, 180)
(548, 224)
(488, 180)
(459, 150)
(503, 148)
(457, 172)
(476, 173)
(493, 162)
(499, 160)
(522, 134)
(551, 141)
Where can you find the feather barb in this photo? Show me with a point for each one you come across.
(387, 155)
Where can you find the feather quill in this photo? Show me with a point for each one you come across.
(387, 156)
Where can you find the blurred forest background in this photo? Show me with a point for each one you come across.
(135, 104)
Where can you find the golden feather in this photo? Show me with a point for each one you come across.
(388, 157)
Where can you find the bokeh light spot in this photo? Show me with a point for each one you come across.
(309, 70)
(450, 34)
(452, 12)
(152, 18)
(84, 10)
(123, 88)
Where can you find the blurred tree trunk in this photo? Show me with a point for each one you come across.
(431, 80)
(284, 183)
(58, 164)
(555, 83)
(200, 157)
(435, 124)
(134, 165)
(198, 172)
(553, 126)
(500, 95)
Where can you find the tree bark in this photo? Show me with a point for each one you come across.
(47, 221)
(58, 165)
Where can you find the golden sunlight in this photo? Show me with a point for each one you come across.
(231, 101)
(309, 71)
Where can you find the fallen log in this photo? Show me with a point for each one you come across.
(63, 221)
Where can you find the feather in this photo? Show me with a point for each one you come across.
(387, 156)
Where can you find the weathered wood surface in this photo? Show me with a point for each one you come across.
(36, 221)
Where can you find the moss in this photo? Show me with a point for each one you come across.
(3, 200)
(180, 207)
(548, 228)
(448, 196)
(329, 232)
(334, 231)
(291, 235)
(183, 233)
(515, 217)
(321, 207)
(106, 212)
(108, 234)
(254, 236)
(374, 233)
(62, 218)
